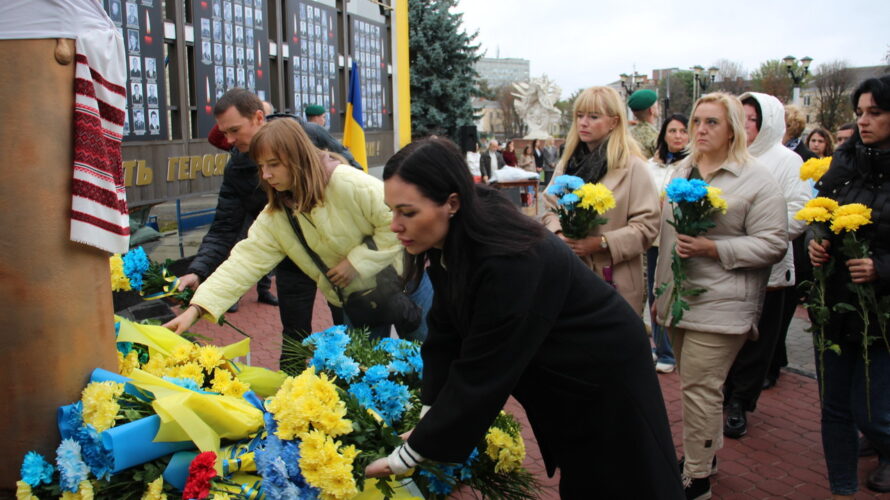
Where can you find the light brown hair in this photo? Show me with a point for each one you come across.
(286, 140)
(735, 116)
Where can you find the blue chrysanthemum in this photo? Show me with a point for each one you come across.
(95, 455)
(135, 265)
(186, 383)
(124, 348)
(391, 399)
(684, 190)
(363, 394)
(376, 373)
(401, 367)
(437, 485)
(72, 469)
(569, 200)
(36, 470)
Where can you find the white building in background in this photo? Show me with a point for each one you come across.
(503, 71)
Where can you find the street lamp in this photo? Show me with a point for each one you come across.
(702, 80)
(630, 83)
(797, 76)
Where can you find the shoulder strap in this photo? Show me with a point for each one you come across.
(314, 256)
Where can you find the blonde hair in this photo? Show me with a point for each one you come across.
(794, 121)
(286, 140)
(604, 101)
(735, 114)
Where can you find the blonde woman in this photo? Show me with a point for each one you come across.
(599, 149)
(335, 207)
(731, 262)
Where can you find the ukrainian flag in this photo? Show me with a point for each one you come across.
(353, 133)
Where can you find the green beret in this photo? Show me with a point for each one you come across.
(642, 99)
(314, 110)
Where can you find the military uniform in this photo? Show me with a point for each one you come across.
(646, 135)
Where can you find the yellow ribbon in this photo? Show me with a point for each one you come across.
(168, 290)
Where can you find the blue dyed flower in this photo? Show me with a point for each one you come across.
(135, 265)
(124, 348)
(417, 362)
(363, 394)
(684, 190)
(437, 485)
(72, 419)
(554, 190)
(186, 383)
(572, 182)
(391, 399)
(569, 200)
(376, 373)
(98, 458)
(36, 470)
(401, 367)
(72, 469)
(278, 462)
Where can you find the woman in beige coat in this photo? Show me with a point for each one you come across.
(599, 149)
(731, 261)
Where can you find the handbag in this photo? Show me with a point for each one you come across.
(387, 303)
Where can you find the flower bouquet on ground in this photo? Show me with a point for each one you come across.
(817, 213)
(693, 203)
(378, 382)
(580, 206)
(134, 271)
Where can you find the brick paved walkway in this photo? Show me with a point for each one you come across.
(780, 457)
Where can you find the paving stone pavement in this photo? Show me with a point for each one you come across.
(780, 457)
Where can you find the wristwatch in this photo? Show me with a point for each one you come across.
(604, 243)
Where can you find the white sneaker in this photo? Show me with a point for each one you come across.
(664, 367)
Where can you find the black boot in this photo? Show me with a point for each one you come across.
(266, 297)
(879, 479)
(698, 488)
(736, 424)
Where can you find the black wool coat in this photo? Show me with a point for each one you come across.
(542, 327)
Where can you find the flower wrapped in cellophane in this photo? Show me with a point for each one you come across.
(693, 205)
(580, 207)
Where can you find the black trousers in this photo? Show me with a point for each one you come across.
(803, 271)
(296, 296)
(744, 383)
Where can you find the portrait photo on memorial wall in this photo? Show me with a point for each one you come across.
(239, 56)
(138, 120)
(136, 93)
(132, 15)
(133, 40)
(135, 67)
(219, 77)
(248, 17)
(239, 81)
(239, 34)
(217, 53)
(227, 10)
(206, 52)
(229, 32)
(114, 9)
(248, 38)
(258, 18)
(251, 82)
(239, 14)
(250, 57)
(154, 122)
(151, 90)
(126, 123)
(230, 77)
(151, 68)
(217, 9)
(230, 55)
(217, 30)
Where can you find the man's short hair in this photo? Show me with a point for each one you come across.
(847, 126)
(246, 102)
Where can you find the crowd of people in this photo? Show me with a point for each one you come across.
(514, 307)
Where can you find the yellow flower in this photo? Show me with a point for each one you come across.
(182, 353)
(209, 357)
(127, 364)
(157, 365)
(716, 200)
(823, 202)
(119, 280)
(100, 405)
(509, 451)
(814, 168)
(850, 217)
(595, 196)
(23, 491)
(308, 401)
(155, 490)
(84, 492)
(818, 209)
(328, 467)
(192, 371)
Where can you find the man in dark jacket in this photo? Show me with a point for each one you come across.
(239, 115)
(490, 161)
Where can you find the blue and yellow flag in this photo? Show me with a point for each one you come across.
(353, 131)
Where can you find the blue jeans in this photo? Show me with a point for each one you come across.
(663, 349)
(423, 297)
(844, 410)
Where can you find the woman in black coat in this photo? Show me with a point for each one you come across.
(859, 173)
(517, 313)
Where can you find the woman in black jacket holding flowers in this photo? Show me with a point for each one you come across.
(856, 393)
(517, 313)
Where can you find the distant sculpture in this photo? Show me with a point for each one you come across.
(535, 103)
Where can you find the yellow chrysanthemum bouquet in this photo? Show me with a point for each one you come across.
(814, 168)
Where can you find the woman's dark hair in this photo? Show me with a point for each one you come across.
(750, 101)
(534, 144)
(486, 223)
(527, 149)
(879, 88)
(826, 136)
(662, 149)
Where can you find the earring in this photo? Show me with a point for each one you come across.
(451, 215)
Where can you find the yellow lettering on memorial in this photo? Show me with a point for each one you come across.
(183, 168)
(207, 165)
(221, 160)
(144, 174)
(171, 169)
(128, 172)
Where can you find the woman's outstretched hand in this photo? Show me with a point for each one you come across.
(378, 468)
(185, 320)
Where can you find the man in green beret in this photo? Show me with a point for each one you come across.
(644, 104)
(316, 114)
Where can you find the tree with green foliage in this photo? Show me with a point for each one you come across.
(772, 78)
(443, 77)
(681, 92)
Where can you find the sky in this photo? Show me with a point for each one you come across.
(581, 44)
